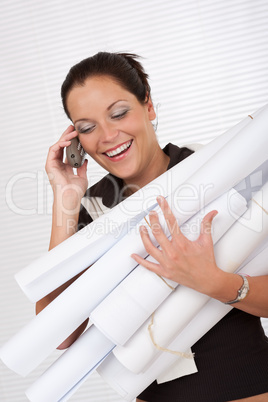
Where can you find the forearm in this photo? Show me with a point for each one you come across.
(68, 188)
(41, 304)
(65, 213)
(256, 301)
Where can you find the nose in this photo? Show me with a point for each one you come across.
(108, 132)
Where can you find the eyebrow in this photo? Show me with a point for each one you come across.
(108, 108)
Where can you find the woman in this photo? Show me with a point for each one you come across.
(107, 97)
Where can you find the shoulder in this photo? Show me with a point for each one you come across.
(177, 154)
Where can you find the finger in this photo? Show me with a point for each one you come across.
(157, 230)
(148, 245)
(169, 216)
(56, 150)
(69, 130)
(146, 264)
(69, 136)
(206, 225)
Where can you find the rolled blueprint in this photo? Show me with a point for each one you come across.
(126, 308)
(30, 346)
(82, 249)
(128, 385)
(183, 304)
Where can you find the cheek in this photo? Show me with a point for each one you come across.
(88, 143)
(132, 124)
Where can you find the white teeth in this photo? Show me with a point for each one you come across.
(119, 149)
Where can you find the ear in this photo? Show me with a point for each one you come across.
(150, 109)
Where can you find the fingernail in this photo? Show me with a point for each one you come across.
(142, 228)
(159, 199)
(152, 213)
(215, 214)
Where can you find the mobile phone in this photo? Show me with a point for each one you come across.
(75, 153)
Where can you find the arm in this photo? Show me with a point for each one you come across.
(68, 190)
(193, 264)
(256, 302)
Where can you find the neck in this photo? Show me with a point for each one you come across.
(157, 166)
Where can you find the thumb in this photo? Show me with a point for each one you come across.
(206, 224)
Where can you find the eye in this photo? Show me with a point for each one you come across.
(85, 130)
(120, 114)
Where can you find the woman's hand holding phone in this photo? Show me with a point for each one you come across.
(60, 173)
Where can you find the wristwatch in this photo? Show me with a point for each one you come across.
(242, 292)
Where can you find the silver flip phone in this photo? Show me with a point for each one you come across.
(75, 153)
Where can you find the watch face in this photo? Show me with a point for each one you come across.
(243, 291)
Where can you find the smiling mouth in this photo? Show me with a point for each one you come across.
(120, 150)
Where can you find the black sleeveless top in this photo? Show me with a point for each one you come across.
(232, 358)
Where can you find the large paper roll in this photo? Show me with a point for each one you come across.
(126, 308)
(183, 304)
(128, 385)
(235, 160)
(82, 249)
(77, 360)
(34, 342)
(45, 385)
(77, 363)
(88, 351)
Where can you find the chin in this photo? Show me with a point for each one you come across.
(124, 173)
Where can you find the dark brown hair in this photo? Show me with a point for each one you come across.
(122, 67)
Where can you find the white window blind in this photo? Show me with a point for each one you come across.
(208, 67)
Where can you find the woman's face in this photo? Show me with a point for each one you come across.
(114, 128)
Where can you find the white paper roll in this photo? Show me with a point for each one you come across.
(82, 249)
(126, 308)
(74, 366)
(184, 303)
(79, 361)
(87, 352)
(28, 348)
(223, 165)
(42, 390)
(34, 342)
(46, 273)
(128, 385)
